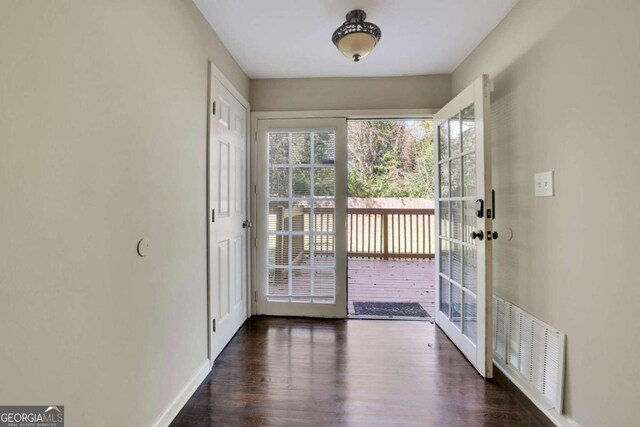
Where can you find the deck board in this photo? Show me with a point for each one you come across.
(379, 280)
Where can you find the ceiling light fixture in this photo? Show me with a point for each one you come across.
(356, 38)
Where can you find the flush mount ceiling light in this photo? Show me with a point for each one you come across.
(356, 38)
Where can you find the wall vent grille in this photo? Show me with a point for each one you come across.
(531, 351)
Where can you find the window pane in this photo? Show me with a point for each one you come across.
(278, 249)
(468, 221)
(324, 148)
(325, 182)
(279, 182)
(468, 128)
(300, 148)
(456, 262)
(454, 134)
(444, 180)
(445, 257)
(445, 219)
(470, 327)
(301, 182)
(444, 296)
(470, 269)
(456, 177)
(278, 216)
(443, 130)
(456, 219)
(279, 148)
(323, 216)
(278, 283)
(469, 174)
(456, 306)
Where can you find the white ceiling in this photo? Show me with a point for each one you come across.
(292, 38)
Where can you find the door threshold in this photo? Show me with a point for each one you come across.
(413, 319)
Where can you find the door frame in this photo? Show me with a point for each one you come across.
(256, 116)
(214, 71)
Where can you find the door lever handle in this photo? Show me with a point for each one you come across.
(246, 224)
(477, 235)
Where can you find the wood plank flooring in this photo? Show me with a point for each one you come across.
(312, 372)
(391, 281)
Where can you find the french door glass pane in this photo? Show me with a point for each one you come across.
(456, 219)
(443, 149)
(279, 148)
(456, 177)
(444, 180)
(456, 306)
(470, 271)
(301, 182)
(454, 135)
(301, 148)
(456, 262)
(468, 128)
(301, 204)
(445, 257)
(278, 182)
(445, 219)
(468, 221)
(278, 216)
(444, 296)
(470, 326)
(469, 174)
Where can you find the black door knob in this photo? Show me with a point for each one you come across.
(477, 235)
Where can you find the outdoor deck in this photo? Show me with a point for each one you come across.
(377, 280)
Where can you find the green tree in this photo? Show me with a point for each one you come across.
(390, 158)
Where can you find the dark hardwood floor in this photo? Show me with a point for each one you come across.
(311, 372)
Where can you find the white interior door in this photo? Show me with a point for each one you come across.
(301, 217)
(228, 232)
(463, 224)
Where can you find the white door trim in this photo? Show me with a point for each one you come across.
(422, 113)
(219, 75)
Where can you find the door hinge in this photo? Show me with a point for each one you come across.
(213, 325)
(255, 242)
(213, 215)
(255, 189)
(213, 108)
(255, 295)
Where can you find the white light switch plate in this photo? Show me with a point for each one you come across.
(543, 184)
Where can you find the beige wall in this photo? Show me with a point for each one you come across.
(350, 93)
(102, 142)
(567, 98)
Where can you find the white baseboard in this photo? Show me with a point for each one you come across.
(183, 396)
(557, 418)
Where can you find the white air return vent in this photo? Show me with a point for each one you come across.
(530, 352)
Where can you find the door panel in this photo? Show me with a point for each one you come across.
(464, 290)
(227, 201)
(302, 217)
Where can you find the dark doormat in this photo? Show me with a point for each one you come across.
(390, 309)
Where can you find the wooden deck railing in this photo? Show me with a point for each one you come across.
(372, 233)
(390, 233)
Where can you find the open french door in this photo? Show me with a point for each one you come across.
(463, 224)
(301, 218)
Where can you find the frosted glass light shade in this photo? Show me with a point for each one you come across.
(356, 45)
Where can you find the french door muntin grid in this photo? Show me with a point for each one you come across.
(312, 199)
(466, 224)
